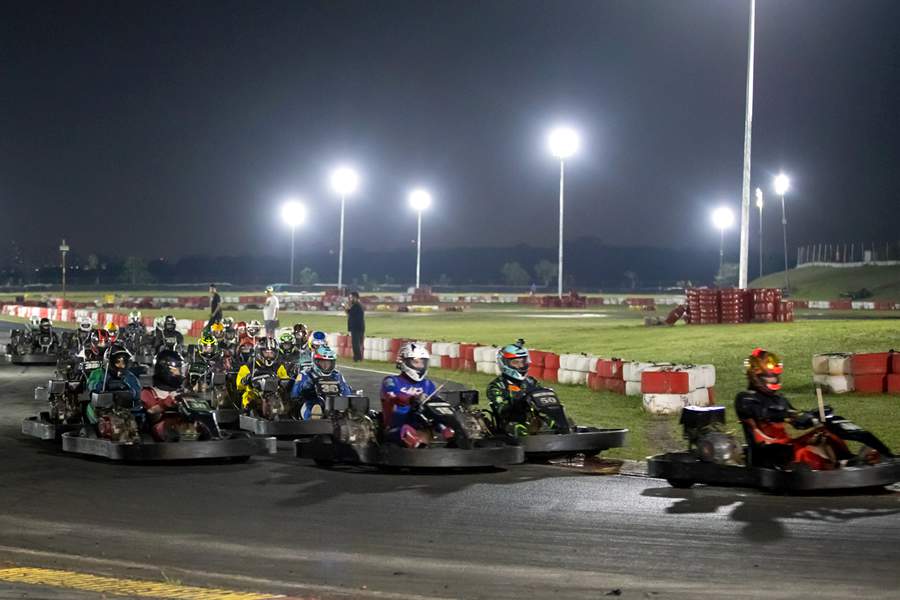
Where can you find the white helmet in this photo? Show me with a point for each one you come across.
(158, 322)
(413, 361)
(253, 328)
(85, 324)
(35, 321)
(135, 317)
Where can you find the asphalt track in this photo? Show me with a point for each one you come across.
(278, 525)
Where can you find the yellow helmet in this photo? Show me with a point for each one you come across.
(207, 344)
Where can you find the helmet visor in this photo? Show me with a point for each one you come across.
(326, 365)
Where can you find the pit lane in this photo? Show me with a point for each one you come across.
(280, 525)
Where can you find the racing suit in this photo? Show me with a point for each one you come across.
(99, 381)
(397, 394)
(166, 424)
(306, 389)
(171, 339)
(131, 335)
(763, 417)
(506, 397)
(245, 374)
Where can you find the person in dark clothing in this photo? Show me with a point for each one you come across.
(215, 306)
(356, 325)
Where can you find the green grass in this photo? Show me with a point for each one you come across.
(828, 283)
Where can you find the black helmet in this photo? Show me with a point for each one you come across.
(168, 372)
(45, 325)
(118, 358)
(266, 352)
(169, 323)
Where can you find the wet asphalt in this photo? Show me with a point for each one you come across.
(282, 525)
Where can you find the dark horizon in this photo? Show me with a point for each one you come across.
(175, 129)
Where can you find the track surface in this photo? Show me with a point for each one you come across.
(280, 525)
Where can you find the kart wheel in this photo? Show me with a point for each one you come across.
(681, 484)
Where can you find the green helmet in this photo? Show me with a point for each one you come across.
(286, 342)
(514, 361)
(207, 345)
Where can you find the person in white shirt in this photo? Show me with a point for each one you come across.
(270, 312)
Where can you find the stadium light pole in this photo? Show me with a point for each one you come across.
(419, 200)
(563, 143)
(748, 127)
(759, 205)
(344, 182)
(782, 184)
(293, 213)
(722, 218)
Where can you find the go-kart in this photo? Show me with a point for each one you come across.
(714, 457)
(272, 413)
(211, 386)
(33, 348)
(453, 437)
(118, 437)
(65, 412)
(546, 432)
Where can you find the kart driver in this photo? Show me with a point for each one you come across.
(307, 384)
(763, 411)
(399, 394)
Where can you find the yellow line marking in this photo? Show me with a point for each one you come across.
(122, 587)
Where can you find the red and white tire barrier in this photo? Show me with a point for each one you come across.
(864, 373)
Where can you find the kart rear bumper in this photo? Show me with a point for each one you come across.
(685, 468)
(236, 446)
(33, 359)
(322, 449)
(288, 427)
(42, 428)
(584, 440)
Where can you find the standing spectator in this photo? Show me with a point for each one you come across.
(215, 306)
(270, 312)
(356, 325)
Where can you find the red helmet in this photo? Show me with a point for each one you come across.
(99, 341)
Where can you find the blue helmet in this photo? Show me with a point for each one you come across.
(324, 359)
(514, 360)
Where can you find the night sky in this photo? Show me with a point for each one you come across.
(175, 128)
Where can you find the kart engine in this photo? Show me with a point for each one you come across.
(118, 426)
(358, 431)
(474, 423)
(704, 430)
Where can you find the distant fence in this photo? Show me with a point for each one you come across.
(849, 254)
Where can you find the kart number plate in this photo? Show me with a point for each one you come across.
(442, 409)
(328, 388)
(546, 400)
(92, 364)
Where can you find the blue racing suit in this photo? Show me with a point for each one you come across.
(397, 391)
(304, 389)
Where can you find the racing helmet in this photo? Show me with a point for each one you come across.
(324, 360)
(45, 325)
(135, 317)
(253, 328)
(301, 334)
(412, 360)
(318, 338)
(35, 322)
(514, 361)
(99, 341)
(168, 370)
(169, 323)
(228, 322)
(286, 342)
(118, 357)
(266, 352)
(764, 371)
(207, 345)
(158, 323)
(85, 325)
(113, 330)
(217, 331)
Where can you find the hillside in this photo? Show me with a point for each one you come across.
(828, 283)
